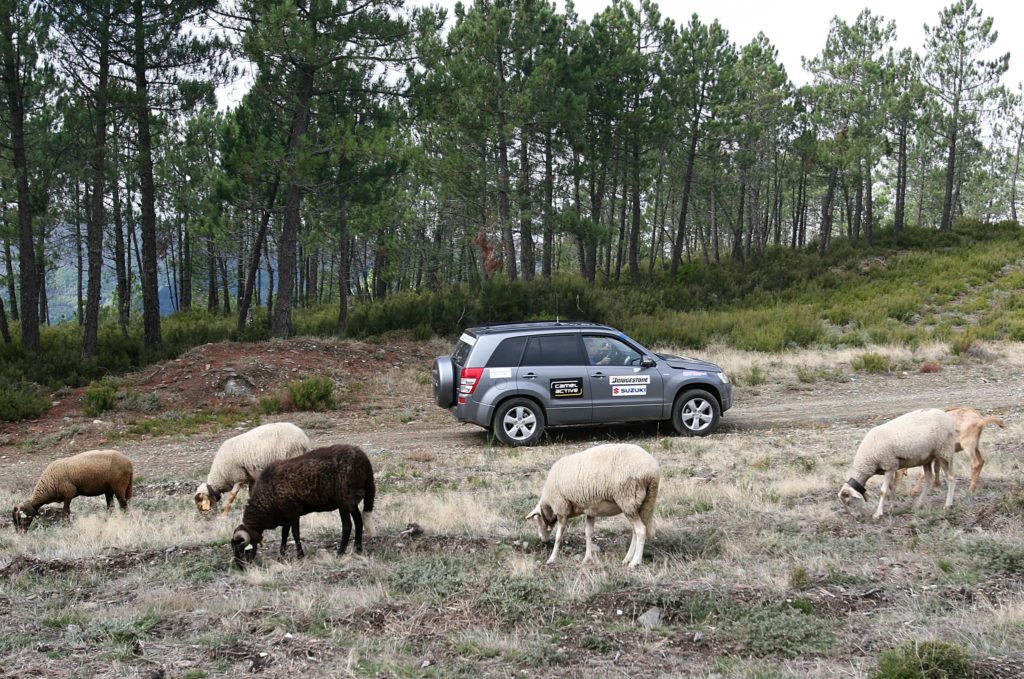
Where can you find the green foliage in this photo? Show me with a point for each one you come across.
(137, 402)
(755, 376)
(270, 405)
(99, 397)
(313, 393)
(923, 660)
(871, 362)
(778, 631)
(22, 400)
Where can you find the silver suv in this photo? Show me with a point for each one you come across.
(516, 379)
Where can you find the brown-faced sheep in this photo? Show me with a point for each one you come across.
(916, 439)
(605, 480)
(240, 459)
(92, 473)
(335, 477)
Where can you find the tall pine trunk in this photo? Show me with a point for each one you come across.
(281, 323)
(97, 212)
(147, 188)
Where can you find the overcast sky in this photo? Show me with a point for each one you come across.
(798, 28)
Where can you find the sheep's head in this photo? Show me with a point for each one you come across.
(849, 496)
(244, 543)
(22, 516)
(546, 520)
(206, 498)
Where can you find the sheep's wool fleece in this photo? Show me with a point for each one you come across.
(250, 453)
(907, 441)
(91, 473)
(597, 473)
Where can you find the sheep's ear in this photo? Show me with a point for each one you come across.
(241, 537)
(534, 513)
(847, 492)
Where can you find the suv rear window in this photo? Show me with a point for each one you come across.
(508, 353)
(460, 354)
(553, 350)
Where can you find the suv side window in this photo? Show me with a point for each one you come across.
(604, 350)
(553, 350)
(508, 353)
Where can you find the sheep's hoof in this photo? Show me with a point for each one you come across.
(876, 516)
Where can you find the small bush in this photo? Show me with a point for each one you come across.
(22, 400)
(871, 362)
(798, 577)
(930, 367)
(99, 397)
(136, 402)
(270, 405)
(755, 376)
(313, 393)
(923, 660)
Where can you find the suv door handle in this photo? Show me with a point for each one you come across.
(529, 376)
(598, 375)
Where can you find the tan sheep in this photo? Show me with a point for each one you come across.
(92, 473)
(605, 480)
(916, 439)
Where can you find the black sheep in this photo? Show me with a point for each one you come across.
(322, 480)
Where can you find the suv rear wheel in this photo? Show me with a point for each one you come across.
(519, 422)
(696, 413)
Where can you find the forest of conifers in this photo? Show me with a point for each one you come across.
(384, 148)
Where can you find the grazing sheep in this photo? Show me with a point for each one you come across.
(916, 439)
(609, 479)
(969, 424)
(92, 473)
(240, 459)
(322, 480)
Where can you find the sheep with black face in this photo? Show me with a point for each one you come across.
(334, 477)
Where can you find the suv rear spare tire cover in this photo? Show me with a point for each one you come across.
(442, 377)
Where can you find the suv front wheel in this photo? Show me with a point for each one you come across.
(519, 422)
(696, 413)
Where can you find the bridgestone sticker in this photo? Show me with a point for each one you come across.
(629, 391)
(500, 373)
(569, 388)
(624, 380)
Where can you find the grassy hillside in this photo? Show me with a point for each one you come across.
(945, 287)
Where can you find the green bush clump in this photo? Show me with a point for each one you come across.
(923, 660)
(270, 405)
(99, 397)
(871, 362)
(313, 393)
(22, 400)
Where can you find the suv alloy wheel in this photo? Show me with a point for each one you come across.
(519, 422)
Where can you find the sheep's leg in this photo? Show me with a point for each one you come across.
(977, 462)
(109, 496)
(66, 514)
(284, 538)
(299, 552)
(121, 501)
(357, 519)
(636, 552)
(589, 530)
(950, 482)
(346, 530)
(927, 482)
(559, 539)
(886, 484)
(231, 496)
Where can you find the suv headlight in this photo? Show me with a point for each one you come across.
(722, 376)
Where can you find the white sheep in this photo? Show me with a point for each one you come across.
(916, 439)
(609, 479)
(240, 459)
(94, 472)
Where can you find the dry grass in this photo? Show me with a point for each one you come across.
(756, 571)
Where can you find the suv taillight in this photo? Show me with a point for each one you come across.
(468, 379)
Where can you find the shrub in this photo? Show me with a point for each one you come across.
(930, 367)
(755, 376)
(270, 405)
(313, 393)
(923, 660)
(871, 362)
(137, 402)
(99, 397)
(22, 400)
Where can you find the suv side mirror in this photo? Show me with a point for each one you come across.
(647, 362)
